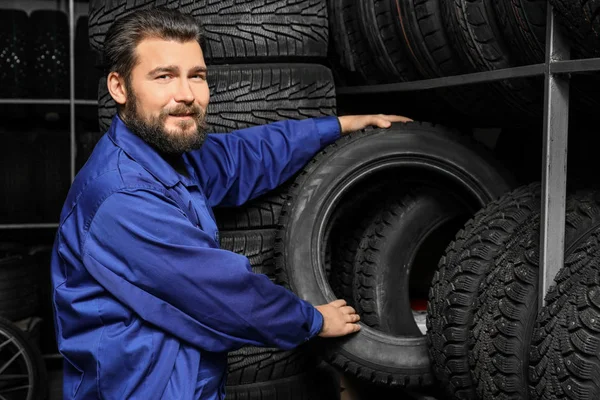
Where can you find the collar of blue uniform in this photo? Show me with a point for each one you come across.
(145, 155)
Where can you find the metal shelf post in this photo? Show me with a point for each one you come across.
(554, 173)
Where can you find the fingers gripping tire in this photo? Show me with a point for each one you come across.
(415, 149)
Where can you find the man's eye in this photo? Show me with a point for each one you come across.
(163, 77)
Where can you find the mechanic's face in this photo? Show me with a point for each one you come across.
(167, 96)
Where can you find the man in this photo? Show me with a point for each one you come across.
(146, 303)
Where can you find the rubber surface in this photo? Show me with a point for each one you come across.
(372, 355)
(256, 245)
(503, 324)
(235, 31)
(524, 25)
(314, 385)
(390, 254)
(250, 95)
(581, 20)
(563, 360)
(474, 31)
(484, 239)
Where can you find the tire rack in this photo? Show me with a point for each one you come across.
(71, 101)
(556, 70)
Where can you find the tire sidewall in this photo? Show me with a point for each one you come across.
(435, 149)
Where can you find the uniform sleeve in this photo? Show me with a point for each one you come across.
(240, 166)
(145, 252)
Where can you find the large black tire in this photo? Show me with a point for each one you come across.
(405, 240)
(484, 239)
(564, 352)
(235, 31)
(25, 376)
(421, 24)
(50, 54)
(368, 42)
(475, 33)
(581, 20)
(14, 57)
(503, 325)
(524, 26)
(417, 150)
(249, 95)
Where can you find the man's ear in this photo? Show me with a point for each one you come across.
(116, 88)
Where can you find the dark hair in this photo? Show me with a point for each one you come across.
(126, 33)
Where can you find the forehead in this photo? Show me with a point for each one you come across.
(153, 52)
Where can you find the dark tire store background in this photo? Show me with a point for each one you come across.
(430, 229)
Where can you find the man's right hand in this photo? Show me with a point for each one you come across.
(339, 319)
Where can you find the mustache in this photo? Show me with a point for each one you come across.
(182, 109)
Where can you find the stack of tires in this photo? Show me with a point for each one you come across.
(487, 339)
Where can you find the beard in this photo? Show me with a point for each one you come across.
(154, 132)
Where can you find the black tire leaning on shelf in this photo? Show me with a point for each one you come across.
(14, 57)
(381, 37)
(257, 30)
(453, 292)
(250, 95)
(503, 325)
(433, 153)
(476, 35)
(581, 21)
(398, 253)
(524, 26)
(563, 360)
(26, 374)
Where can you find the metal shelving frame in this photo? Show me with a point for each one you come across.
(71, 102)
(556, 71)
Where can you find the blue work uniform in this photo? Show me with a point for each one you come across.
(146, 303)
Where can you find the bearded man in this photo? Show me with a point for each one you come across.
(146, 303)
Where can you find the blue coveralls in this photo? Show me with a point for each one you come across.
(146, 304)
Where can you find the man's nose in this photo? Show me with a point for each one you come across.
(184, 92)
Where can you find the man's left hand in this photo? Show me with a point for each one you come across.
(351, 123)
